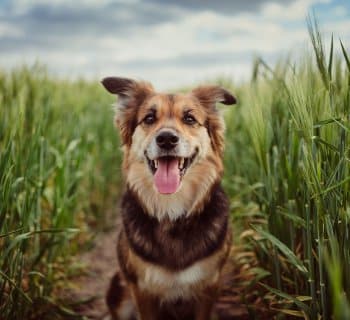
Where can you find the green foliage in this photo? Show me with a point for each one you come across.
(58, 168)
(287, 172)
(289, 135)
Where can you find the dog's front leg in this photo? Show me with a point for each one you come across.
(147, 305)
(205, 303)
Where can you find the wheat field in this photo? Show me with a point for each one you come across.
(286, 171)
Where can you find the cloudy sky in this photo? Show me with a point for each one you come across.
(171, 43)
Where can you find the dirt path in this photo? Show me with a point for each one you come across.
(100, 265)
(100, 261)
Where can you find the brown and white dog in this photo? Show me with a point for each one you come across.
(175, 236)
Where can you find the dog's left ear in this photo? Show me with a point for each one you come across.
(210, 95)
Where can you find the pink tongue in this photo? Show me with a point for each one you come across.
(167, 176)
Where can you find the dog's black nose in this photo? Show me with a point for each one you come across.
(167, 140)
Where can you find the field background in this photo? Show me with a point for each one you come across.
(287, 174)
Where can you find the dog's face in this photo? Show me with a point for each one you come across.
(172, 143)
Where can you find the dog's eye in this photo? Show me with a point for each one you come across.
(149, 119)
(189, 119)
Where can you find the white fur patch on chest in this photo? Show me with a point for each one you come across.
(156, 276)
(173, 284)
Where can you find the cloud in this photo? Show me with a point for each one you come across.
(9, 30)
(226, 7)
(193, 60)
(50, 24)
(168, 42)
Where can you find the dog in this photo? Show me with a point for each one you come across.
(175, 235)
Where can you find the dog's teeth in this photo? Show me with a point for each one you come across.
(181, 162)
(156, 164)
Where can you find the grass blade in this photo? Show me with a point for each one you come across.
(292, 258)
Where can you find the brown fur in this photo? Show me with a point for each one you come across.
(172, 247)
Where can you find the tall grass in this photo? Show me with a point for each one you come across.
(288, 153)
(287, 173)
(58, 168)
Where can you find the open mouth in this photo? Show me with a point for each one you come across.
(169, 170)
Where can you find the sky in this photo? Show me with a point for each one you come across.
(170, 43)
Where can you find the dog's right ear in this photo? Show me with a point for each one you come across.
(131, 94)
(126, 88)
(120, 86)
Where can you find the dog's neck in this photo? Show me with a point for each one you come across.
(198, 235)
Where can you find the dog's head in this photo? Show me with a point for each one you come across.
(173, 143)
